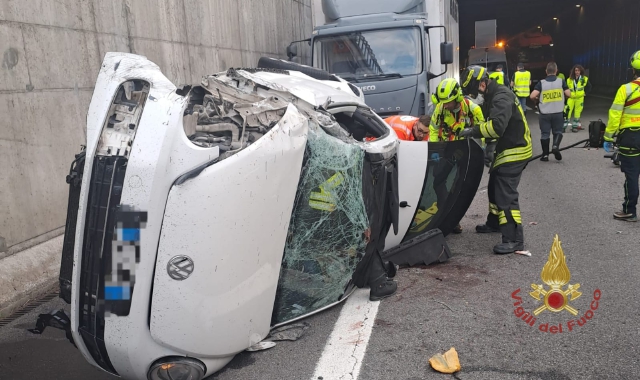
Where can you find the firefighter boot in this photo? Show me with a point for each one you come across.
(512, 239)
(379, 282)
(557, 139)
(545, 149)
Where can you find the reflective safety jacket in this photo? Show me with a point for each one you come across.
(578, 86)
(624, 119)
(507, 123)
(445, 124)
(403, 126)
(497, 76)
(561, 76)
(521, 83)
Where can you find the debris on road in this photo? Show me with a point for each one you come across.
(261, 346)
(524, 253)
(533, 223)
(289, 332)
(447, 363)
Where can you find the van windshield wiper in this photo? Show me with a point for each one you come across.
(349, 78)
(381, 76)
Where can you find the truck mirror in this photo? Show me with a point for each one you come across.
(446, 53)
(292, 51)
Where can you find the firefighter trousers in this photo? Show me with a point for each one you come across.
(630, 166)
(504, 208)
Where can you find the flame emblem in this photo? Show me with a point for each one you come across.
(556, 275)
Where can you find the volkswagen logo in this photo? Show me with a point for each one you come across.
(180, 267)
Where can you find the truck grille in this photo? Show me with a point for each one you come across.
(105, 190)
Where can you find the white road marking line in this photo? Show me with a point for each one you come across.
(343, 354)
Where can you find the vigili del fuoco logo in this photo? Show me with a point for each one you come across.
(555, 297)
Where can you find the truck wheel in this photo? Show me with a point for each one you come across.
(273, 63)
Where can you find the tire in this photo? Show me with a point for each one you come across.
(273, 63)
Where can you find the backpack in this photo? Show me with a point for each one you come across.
(596, 134)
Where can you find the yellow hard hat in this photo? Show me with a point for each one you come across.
(635, 60)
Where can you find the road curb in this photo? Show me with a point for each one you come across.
(29, 274)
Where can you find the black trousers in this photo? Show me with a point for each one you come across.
(504, 208)
(551, 123)
(630, 166)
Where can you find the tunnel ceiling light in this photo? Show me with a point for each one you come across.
(555, 18)
(578, 5)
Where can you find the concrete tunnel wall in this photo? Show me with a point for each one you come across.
(51, 53)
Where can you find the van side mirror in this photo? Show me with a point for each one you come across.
(446, 53)
(292, 51)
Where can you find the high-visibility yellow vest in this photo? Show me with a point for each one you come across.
(624, 113)
(577, 87)
(521, 83)
(497, 76)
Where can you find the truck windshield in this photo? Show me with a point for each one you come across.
(368, 55)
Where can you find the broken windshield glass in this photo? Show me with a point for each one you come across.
(326, 233)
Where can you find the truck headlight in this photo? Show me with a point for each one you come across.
(177, 368)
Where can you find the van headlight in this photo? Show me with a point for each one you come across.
(177, 368)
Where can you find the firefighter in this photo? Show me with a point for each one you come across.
(452, 114)
(579, 85)
(507, 123)
(552, 92)
(521, 84)
(624, 123)
(498, 75)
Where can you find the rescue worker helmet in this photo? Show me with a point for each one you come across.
(635, 60)
(447, 91)
(471, 78)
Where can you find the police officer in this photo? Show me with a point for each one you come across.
(507, 123)
(624, 122)
(521, 84)
(498, 75)
(553, 91)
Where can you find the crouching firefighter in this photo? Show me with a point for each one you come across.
(453, 113)
(624, 122)
(506, 123)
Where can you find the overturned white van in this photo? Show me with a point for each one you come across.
(200, 217)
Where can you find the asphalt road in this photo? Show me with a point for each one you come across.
(465, 303)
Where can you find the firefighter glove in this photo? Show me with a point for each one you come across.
(467, 132)
(608, 146)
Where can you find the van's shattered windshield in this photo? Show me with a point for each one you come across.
(326, 233)
(370, 54)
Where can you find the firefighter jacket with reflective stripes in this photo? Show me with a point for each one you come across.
(403, 126)
(497, 76)
(522, 83)
(624, 119)
(551, 97)
(507, 123)
(445, 124)
(578, 86)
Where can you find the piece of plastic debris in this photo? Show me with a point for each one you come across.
(618, 232)
(524, 253)
(261, 346)
(289, 332)
(447, 363)
(533, 223)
